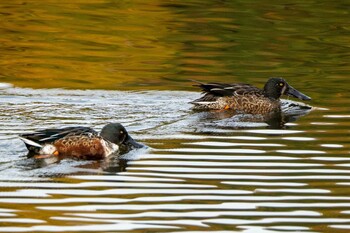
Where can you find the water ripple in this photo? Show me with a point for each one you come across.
(202, 214)
(122, 226)
(84, 192)
(226, 144)
(241, 206)
(202, 150)
(218, 164)
(219, 157)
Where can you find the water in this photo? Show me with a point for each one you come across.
(92, 62)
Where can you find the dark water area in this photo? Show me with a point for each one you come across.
(91, 62)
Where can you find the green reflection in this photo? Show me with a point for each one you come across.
(161, 44)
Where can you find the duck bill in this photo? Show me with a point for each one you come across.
(297, 94)
(129, 144)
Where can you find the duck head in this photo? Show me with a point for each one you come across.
(117, 134)
(275, 87)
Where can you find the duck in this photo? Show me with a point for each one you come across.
(79, 142)
(245, 98)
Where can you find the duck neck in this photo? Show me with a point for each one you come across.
(271, 92)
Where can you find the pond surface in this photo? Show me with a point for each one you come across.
(92, 62)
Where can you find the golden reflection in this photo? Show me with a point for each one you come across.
(94, 44)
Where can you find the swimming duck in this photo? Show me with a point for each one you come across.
(245, 98)
(79, 142)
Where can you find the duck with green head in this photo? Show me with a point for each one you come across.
(245, 98)
(79, 142)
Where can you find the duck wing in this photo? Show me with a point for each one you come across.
(38, 138)
(212, 91)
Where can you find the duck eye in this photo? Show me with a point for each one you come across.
(281, 84)
(121, 132)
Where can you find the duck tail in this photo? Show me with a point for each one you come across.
(30, 143)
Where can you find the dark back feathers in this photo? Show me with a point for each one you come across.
(51, 135)
(212, 91)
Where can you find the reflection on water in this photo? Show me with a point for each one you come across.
(161, 44)
(204, 171)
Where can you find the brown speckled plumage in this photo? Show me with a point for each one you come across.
(81, 147)
(250, 104)
(75, 142)
(245, 98)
